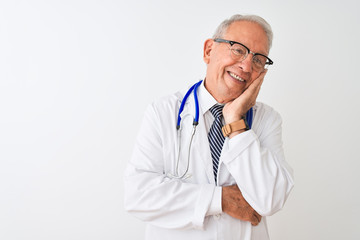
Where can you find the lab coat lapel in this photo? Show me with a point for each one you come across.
(202, 149)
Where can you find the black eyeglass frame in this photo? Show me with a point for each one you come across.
(220, 40)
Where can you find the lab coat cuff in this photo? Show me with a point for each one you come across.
(202, 205)
(215, 205)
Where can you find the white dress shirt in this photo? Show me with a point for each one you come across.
(190, 208)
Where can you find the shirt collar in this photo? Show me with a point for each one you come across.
(206, 100)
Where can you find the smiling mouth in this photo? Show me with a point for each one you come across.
(236, 77)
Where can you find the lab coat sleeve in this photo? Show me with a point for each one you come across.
(258, 165)
(153, 197)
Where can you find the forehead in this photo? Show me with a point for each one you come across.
(250, 34)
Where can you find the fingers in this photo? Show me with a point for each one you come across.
(256, 219)
(256, 84)
(254, 88)
(238, 107)
(234, 204)
(262, 75)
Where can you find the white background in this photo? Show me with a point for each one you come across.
(76, 77)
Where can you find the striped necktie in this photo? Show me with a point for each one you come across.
(216, 138)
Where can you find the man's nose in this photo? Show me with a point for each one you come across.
(246, 64)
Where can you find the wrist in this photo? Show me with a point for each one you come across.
(232, 129)
(233, 116)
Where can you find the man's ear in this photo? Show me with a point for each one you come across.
(208, 45)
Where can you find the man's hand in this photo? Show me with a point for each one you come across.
(234, 204)
(234, 110)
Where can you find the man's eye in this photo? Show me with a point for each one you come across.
(260, 60)
(239, 51)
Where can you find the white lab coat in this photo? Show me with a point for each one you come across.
(191, 208)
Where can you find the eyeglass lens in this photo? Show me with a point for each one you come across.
(239, 53)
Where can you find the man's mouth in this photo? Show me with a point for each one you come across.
(236, 77)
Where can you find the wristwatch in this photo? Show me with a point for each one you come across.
(235, 126)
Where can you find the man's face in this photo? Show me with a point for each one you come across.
(223, 72)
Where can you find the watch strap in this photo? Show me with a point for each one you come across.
(234, 126)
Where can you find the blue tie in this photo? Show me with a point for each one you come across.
(216, 138)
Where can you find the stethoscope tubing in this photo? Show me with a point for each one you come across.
(249, 114)
(193, 88)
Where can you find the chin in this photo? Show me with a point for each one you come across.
(228, 97)
(232, 94)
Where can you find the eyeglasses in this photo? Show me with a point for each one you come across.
(239, 52)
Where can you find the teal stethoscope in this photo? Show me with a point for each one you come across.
(193, 89)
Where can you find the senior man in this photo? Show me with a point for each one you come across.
(214, 177)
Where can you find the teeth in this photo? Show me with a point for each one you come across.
(236, 77)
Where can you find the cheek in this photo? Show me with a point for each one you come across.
(217, 68)
(222, 60)
(218, 64)
(254, 75)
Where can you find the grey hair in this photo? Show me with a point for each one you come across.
(222, 28)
